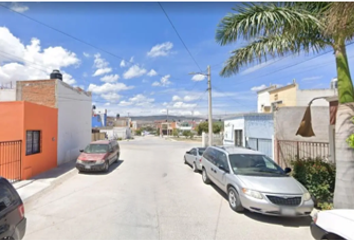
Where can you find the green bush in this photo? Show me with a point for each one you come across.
(318, 177)
(175, 132)
(119, 139)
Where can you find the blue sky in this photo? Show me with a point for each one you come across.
(131, 31)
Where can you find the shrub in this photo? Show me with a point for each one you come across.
(119, 139)
(175, 132)
(318, 177)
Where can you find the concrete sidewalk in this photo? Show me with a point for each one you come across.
(33, 188)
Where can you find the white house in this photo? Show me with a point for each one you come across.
(263, 99)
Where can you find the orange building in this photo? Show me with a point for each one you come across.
(28, 139)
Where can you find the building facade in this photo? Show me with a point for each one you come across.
(74, 112)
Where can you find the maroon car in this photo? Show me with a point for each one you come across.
(98, 156)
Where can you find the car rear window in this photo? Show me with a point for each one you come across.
(7, 198)
(96, 148)
(201, 151)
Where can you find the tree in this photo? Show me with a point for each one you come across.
(204, 127)
(175, 132)
(277, 29)
(186, 133)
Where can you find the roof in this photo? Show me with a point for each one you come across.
(281, 88)
(250, 114)
(238, 150)
(267, 89)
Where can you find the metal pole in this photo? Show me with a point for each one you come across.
(210, 120)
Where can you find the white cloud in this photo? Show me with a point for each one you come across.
(108, 87)
(110, 78)
(312, 78)
(85, 75)
(189, 98)
(122, 63)
(131, 59)
(163, 82)
(29, 62)
(176, 98)
(125, 103)
(101, 65)
(102, 71)
(257, 67)
(107, 104)
(145, 81)
(86, 54)
(152, 73)
(184, 105)
(19, 7)
(162, 49)
(198, 77)
(134, 71)
(111, 96)
(258, 88)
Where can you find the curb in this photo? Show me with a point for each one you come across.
(52, 184)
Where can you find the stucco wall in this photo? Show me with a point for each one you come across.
(286, 94)
(305, 96)
(263, 99)
(259, 126)
(74, 121)
(7, 95)
(287, 121)
(230, 126)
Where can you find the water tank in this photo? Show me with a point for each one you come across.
(334, 83)
(56, 75)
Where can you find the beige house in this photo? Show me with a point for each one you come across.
(291, 96)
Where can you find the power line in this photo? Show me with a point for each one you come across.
(179, 36)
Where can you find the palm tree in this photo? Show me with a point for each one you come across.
(278, 29)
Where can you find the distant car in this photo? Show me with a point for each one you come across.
(98, 156)
(333, 224)
(193, 157)
(255, 182)
(12, 212)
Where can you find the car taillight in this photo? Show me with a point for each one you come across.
(315, 216)
(21, 210)
(200, 160)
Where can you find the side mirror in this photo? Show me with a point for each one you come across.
(287, 170)
(188, 152)
(223, 168)
(81, 150)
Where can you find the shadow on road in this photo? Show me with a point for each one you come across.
(284, 221)
(111, 169)
(58, 171)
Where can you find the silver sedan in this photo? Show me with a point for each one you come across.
(193, 157)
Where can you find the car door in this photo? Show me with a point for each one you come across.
(222, 171)
(189, 156)
(9, 216)
(213, 161)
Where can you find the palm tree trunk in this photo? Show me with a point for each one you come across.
(344, 155)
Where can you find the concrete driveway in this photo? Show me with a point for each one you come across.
(149, 194)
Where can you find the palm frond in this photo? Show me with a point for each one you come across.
(272, 47)
(253, 20)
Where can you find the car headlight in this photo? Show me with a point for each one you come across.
(100, 161)
(306, 196)
(79, 161)
(252, 193)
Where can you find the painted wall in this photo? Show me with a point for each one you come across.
(7, 95)
(286, 94)
(287, 121)
(305, 96)
(45, 119)
(20, 116)
(229, 130)
(74, 121)
(263, 98)
(261, 126)
(99, 120)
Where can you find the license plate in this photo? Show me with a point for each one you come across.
(87, 167)
(288, 212)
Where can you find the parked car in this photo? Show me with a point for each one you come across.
(255, 182)
(98, 156)
(193, 157)
(12, 212)
(333, 224)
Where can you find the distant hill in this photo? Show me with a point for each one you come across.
(163, 117)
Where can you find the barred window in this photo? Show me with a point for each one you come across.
(32, 142)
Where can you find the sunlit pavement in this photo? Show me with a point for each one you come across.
(149, 194)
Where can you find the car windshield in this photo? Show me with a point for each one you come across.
(96, 148)
(255, 165)
(201, 151)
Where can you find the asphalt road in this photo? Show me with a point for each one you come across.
(150, 194)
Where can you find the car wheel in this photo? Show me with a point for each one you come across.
(194, 167)
(106, 166)
(234, 200)
(205, 178)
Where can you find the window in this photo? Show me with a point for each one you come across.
(223, 161)
(7, 198)
(193, 152)
(32, 142)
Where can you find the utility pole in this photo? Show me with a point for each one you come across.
(210, 121)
